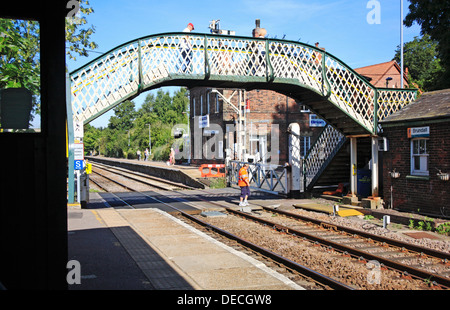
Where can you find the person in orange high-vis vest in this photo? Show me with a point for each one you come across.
(244, 185)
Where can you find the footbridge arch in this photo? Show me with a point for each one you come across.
(323, 82)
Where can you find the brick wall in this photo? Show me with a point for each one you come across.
(266, 107)
(422, 195)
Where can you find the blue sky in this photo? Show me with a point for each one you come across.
(340, 26)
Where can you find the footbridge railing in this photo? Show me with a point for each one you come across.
(187, 59)
(320, 154)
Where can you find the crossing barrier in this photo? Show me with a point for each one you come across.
(220, 168)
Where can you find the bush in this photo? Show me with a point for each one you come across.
(444, 229)
(161, 153)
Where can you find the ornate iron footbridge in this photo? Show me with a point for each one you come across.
(327, 85)
(331, 89)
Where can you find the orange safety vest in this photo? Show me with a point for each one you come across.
(243, 177)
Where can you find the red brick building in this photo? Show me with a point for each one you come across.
(419, 156)
(385, 75)
(266, 116)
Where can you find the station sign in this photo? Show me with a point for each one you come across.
(78, 155)
(315, 121)
(78, 164)
(78, 151)
(418, 132)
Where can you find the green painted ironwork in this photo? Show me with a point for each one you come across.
(157, 60)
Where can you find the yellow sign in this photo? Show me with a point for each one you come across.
(88, 168)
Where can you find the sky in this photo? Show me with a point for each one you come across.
(345, 28)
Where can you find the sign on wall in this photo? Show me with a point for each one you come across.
(315, 121)
(203, 121)
(418, 132)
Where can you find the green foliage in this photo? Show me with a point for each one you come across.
(20, 50)
(78, 36)
(434, 19)
(128, 129)
(19, 56)
(124, 116)
(444, 229)
(422, 60)
(218, 183)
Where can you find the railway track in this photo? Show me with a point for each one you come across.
(407, 264)
(145, 182)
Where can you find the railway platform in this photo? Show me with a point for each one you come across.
(149, 249)
(188, 175)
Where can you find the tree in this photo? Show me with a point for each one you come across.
(422, 60)
(20, 52)
(124, 116)
(78, 38)
(434, 19)
(91, 139)
(128, 129)
(19, 56)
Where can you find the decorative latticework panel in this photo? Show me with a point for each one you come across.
(391, 101)
(297, 62)
(350, 92)
(105, 82)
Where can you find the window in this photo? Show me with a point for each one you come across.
(419, 157)
(193, 107)
(305, 146)
(207, 103)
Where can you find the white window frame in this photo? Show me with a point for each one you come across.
(201, 105)
(423, 158)
(306, 145)
(217, 103)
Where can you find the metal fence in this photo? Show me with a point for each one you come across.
(264, 177)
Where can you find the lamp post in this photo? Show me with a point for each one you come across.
(387, 81)
(188, 144)
(149, 141)
(401, 41)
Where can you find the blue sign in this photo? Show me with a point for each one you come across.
(78, 164)
(314, 121)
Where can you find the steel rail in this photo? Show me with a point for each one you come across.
(114, 181)
(357, 253)
(110, 169)
(397, 243)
